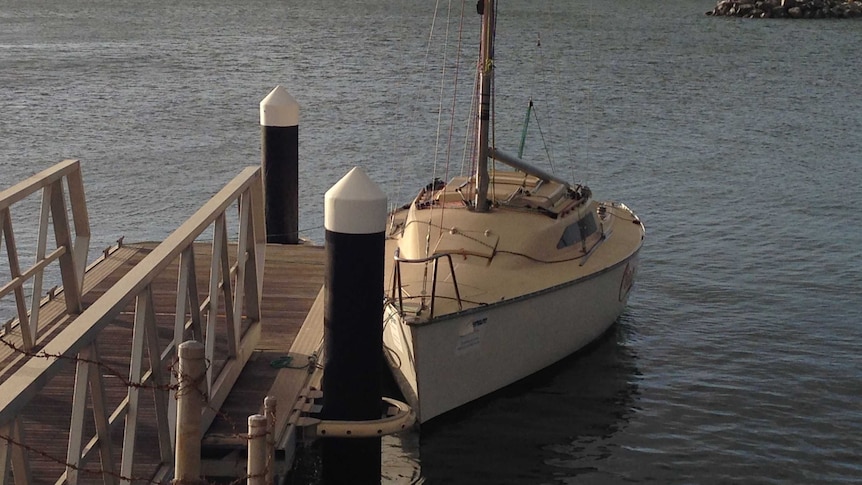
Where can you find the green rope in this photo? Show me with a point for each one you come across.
(282, 362)
(285, 361)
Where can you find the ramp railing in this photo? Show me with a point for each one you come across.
(71, 246)
(230, 308)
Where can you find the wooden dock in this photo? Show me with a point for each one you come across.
(292, 317)
(87, 373)
(293, 277)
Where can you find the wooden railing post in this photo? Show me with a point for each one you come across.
(190, 401)
(257, 437)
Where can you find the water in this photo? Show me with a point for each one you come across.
(736, 141)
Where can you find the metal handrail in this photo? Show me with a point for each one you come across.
(72, 243)
(77, 341)
(396, 283)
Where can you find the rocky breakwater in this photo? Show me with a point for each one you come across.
(794, 9)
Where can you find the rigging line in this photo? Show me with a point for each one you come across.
(623, 218)
(463, 234)
(431, 34)
(439, 125)
(520, 254)
(405, 31)
(492, 53)
(454, 98)
(493, 165)
(541, 66)
(564, 107)
(455, 89)
(591, 108)
(444, 297)
(544, 142)
(469, 154)
(442, 85)
(544, 80)
(400, 105)
(469, 143)
(442, 88)
(542, 261)
(471, 139)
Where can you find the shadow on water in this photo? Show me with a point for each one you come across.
(548, 427)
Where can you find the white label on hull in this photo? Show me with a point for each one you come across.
(470, 337)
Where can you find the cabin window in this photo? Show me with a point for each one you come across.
(578, 231)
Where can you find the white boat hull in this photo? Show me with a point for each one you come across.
(454, 360)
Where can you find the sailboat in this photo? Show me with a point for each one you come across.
(495, 275)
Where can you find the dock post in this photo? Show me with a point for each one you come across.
(257, 462)
(190, 401)
(279, 123)
(355, 223)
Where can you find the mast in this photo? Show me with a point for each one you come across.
(486, 76)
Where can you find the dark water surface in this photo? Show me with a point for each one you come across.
(736, 141)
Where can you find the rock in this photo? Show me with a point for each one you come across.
(764, 7)
(797, 9)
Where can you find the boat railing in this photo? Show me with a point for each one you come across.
(72, 244)
(228, 309)
(397, 287)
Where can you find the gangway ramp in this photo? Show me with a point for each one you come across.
(90, 399)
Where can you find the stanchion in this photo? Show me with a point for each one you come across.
(257, 437)
(190, 401)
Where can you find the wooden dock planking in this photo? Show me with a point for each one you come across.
(53, 316)
(293, 278)
(46, 420)
(293, 381)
